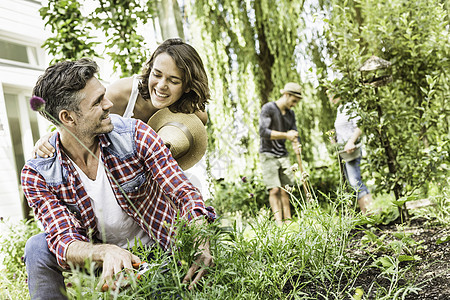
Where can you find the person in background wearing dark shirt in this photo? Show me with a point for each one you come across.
(276, 125)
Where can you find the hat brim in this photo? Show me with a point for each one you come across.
(190, 122)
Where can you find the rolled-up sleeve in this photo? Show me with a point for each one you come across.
(265, 120)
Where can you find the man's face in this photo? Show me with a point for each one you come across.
(292, 101)
(93, 115)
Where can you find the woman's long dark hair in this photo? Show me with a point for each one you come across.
(194, 76)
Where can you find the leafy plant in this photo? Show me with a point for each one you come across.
(403, 120)
(247, 195)
(74, 32)
(72, 39)
(119, 20)
(13, 238)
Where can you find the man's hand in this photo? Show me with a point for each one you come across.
(112, 258)
(203, 260)
(116, 259)
(297, 146)
(292, 135)
(42, 147)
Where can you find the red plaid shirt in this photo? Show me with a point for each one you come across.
(141, 165)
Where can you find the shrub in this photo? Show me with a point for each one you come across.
(14, 235)
(247, 195)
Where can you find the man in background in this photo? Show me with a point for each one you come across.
(276, 125)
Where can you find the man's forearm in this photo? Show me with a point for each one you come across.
(78, 252)
(278, 135)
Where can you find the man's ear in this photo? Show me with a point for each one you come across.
(66, 118)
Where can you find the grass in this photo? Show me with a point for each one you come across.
(315, 257)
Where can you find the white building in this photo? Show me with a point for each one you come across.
(22, 60)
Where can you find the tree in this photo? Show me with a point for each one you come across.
(118, 20)
(406, 122)
(72, 39)
(250, 50)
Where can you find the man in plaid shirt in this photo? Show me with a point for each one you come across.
(111, 179)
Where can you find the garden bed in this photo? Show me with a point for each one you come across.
(425, 277)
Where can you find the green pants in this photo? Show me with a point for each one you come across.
(276, 171)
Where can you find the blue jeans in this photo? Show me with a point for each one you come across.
(45, 278)
(352, 172)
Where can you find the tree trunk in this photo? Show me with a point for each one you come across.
(169, 17)
(265, 58)
(391, 161)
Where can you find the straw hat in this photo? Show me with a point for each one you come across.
(293, 89)
(184, 134)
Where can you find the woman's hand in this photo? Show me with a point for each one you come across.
(42, 147)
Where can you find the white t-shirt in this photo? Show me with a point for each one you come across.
(345, 124)
(114, 225)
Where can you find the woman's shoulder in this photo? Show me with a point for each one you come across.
(118, 92)
(120, 86)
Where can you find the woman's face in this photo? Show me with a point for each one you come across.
(165, 82)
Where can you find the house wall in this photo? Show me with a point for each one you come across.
(21, 24)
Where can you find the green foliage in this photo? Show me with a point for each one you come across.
(13, 240)
(14, 236)
(250, 49)
(318, 254)
(405, 122)
(247, 195)
(326, 181)
(438, 213)
(72, 39)
(118, 20)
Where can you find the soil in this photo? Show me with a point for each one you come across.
(429, 273)
(425, 277)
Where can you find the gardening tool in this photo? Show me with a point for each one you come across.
(142, 268)
(304, 175)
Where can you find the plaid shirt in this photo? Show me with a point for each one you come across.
(137, 163)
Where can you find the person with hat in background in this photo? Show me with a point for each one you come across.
(174, 80)
(111, 184)
(276, 125)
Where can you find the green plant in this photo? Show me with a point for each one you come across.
(246, 195)
(13, 238)
(403, 121)
(118, 20)
(72, 39)
(438, 212)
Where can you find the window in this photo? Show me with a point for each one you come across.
(19, 53)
